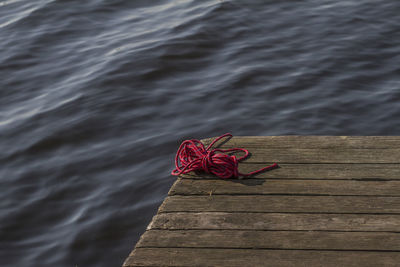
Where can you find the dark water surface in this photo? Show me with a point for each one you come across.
(96, 95)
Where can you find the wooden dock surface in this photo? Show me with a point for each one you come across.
(334, 201)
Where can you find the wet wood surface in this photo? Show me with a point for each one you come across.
(334, 201)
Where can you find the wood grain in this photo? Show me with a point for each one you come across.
(314, 142)
(318, 149)
(275, 221)
(258, 257)
(318, 171)
(278, 203)
(377, 241)
(306, 156)
(289, 187)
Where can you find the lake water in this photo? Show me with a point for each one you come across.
(96, 96)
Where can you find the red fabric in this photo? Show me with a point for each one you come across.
(193, 156)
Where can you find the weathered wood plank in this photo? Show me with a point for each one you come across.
(258, 257)
(275, 221)
(319, 142)
(377, 241)
(318, 171)
(335, 201)
(290, 187)
(303, 155)
(282, 203)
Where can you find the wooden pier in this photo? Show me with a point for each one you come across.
(334, 201)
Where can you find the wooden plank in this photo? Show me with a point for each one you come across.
(289, 187)
(303, 155)
(258, 257)
(377, 241)
(281, 203)
(319, 142)
(318, 171)
(276, 221)
(318, 149)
